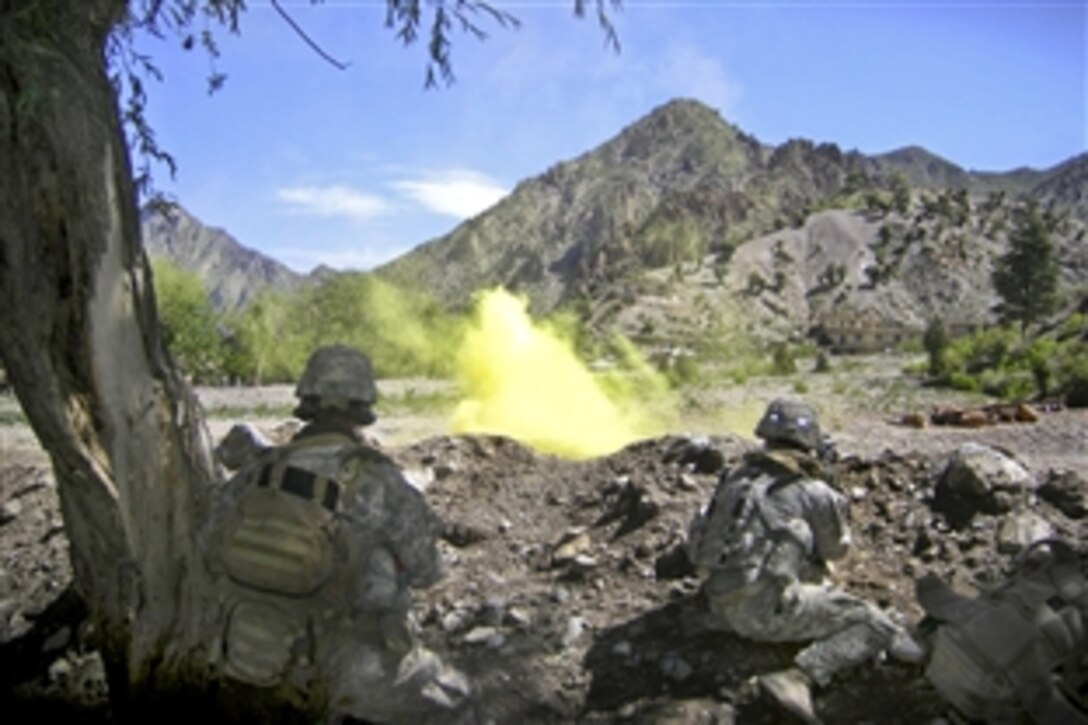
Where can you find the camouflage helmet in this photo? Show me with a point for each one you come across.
(792, 423)
(337, 376)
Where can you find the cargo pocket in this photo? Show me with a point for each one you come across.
(260, 643)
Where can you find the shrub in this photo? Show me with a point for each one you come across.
(683, 371)
(783, 361)
(1007, 384)
(189, 321)
(936, 341)
(996, 362)
(1071, 372)
(963, 381)
(1074, 326)
(983, 350)
(756, 284)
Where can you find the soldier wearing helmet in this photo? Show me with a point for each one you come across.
(337, 384)
(313, 547)
(765, 542)
(790, 424)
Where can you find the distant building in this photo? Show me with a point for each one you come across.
(860, 331)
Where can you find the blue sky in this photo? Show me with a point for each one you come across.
(309, 164)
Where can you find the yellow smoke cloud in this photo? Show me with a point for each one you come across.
(522, 380)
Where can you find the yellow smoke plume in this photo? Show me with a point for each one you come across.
(523, 380)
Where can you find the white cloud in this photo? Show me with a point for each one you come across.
(333, 201)
(456, 193)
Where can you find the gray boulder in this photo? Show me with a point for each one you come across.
(979, 479)
(1068, 492)
(1020, 530)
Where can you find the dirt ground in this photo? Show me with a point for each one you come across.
(567, 596)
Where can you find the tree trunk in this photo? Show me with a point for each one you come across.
(81, 347)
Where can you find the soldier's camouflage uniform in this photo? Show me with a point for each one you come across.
(355, 654)
(774, 589)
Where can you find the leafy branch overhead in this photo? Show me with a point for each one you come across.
(194, 23)
(306, 38)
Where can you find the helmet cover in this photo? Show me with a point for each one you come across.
(792, 423)
(338, 375)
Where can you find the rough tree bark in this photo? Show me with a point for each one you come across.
(80, 342)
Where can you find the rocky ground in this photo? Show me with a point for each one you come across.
(568, 598)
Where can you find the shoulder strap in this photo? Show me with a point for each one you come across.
(760, 490)
(356, 451)
(277, 473)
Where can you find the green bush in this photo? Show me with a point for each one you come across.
(984, 350)
(739, 375)
(963, 381)
(1038, 359)
(935, 341)
(783, 360)
(404, 332)
(1006, 384)
(188, 321)
(1071, 372)
(997, 362)
(684, 371)
(1076, 325)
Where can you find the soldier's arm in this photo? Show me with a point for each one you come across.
(412, 532)
(828, 519)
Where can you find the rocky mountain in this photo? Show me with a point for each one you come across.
(1066, 187)
(925, 169)
(684, 225)
(682, 205)
(233, 273)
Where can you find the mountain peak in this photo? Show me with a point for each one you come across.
(684, 107)
(679, 115)
(675, 187)
(915, 154)
(232, 273)
(927, 169)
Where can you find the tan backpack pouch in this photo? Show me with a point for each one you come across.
(260, 642)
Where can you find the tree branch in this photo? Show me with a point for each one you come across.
(309, 41)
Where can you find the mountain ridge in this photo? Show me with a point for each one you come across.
(233, 273)
(680, 193)
(675, 186)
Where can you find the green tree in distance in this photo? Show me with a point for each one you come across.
(936, 341)
(900, 192)
(188, 321)
(260, 349)
(405, 332)
(1026, 276)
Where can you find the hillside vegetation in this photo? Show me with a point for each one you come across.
(712, 253)
(683, 187)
